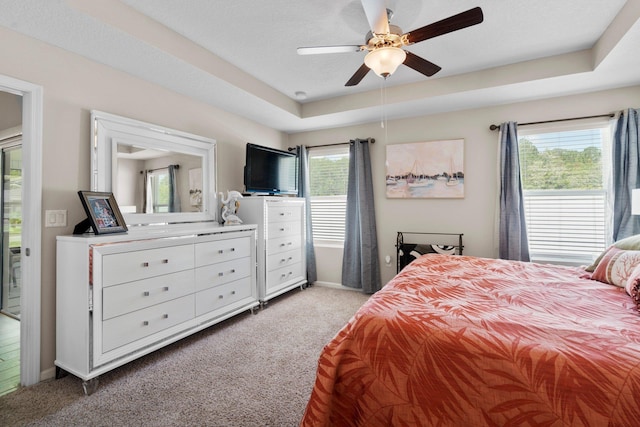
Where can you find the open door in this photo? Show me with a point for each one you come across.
(11, 225)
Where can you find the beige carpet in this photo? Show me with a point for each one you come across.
(252, 370)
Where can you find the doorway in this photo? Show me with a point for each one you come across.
(29, 259)
(11, 225)
(10, 239)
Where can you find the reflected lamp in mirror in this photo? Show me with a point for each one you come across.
(635, 201)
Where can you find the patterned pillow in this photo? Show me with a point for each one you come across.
(635, 293)
(616, 266)
(632, 280)
(629, 243)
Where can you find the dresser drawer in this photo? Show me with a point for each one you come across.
(222, 250)
(130, 266)
(283, 244)
(223, 295)
(133, 326)
(283, 259)
(121, 299)
(279, 212)
(281, 276)
(281, 229)
(216, 274)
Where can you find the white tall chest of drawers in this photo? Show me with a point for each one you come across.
(121, 296)
(281, 241)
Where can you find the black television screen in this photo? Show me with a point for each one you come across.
(270, 171)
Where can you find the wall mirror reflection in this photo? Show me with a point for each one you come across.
(157, 175)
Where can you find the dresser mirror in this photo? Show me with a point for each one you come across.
(157, 175)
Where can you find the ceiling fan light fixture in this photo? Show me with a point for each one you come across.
(385, 60)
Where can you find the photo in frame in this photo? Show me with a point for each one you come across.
(103, 213)
(433, 169)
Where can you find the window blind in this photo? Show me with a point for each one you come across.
(328, 217)
(565, 226)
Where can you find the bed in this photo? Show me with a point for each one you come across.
(467, 341)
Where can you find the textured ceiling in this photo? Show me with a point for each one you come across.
(241, 55)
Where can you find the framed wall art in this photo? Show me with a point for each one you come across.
(433, 169)
(103, 213)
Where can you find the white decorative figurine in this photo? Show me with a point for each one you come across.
(230, 207)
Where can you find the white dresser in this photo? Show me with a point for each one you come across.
(121, 296)
(281, 241)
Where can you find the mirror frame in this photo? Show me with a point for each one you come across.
(109, 130)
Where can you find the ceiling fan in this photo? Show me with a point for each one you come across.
(385, 41)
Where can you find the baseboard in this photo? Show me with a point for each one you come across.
(48, 374)
(335, 286)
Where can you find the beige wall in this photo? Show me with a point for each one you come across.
(10, 111)
(473, 215)
(72, 87)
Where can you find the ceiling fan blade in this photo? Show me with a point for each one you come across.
(376, 11)
(358, 76)
(453, 23)
(317, 50)
(421, 65)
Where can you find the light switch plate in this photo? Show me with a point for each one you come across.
(55, 218)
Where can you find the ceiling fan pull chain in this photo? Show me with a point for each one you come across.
(383, 119)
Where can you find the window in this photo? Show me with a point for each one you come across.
(563, 174)
(328, 175)
(158, 185)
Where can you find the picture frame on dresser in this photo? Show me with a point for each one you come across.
(103, 213)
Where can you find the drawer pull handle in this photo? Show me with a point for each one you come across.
(233, 292)
(281, 213)
(233, 270)
(221, 251)
(220, 296)
(282, 229)
(165, 261)
(145, 323)
(147, 293)
(165, 316)
(283, 260)
(145, 264)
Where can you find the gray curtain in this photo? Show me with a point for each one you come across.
(174, 197)
(360, 267)
(145, 191)
(304, 191)
(513, 241)
(626, 174)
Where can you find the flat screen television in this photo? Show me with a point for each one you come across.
(270, 171)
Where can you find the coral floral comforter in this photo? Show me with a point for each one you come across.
(464, 341)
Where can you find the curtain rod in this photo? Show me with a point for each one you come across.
(157, 169)
(371, 140)
(496, 127)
